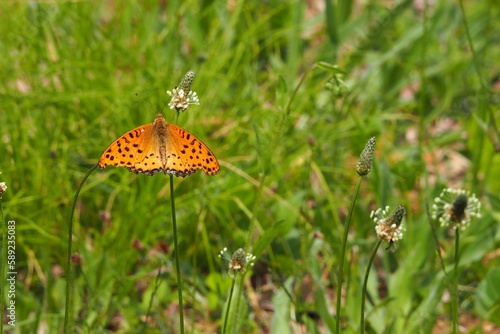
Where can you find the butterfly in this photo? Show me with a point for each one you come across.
(160, 147)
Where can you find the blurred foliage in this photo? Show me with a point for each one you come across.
(290, 92)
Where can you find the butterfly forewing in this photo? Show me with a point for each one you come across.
(127, 150)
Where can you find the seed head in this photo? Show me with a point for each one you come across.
(456, 207)
(389, 228)
(3, 188)
(365, 162)
(239, 262)
(182, 95)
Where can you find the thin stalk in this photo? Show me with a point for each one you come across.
(176, 246)
(69, 269)
(257, 204)
(434, 233)
(342, 254)
(365, 283)
(294, 93)
(226, 318)
(150, 306)
(454, 300)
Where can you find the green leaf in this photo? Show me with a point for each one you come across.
(238, 311)
(488, 296)
(331, 22)
(281, 302)
(282, 93)
(268, 237)
(335, 69)
(321, 301)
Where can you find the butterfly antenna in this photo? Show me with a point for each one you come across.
(151, 106)
(164, 105)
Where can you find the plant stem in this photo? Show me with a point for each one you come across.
(454, 299)
(228, 306)
(342, 254)
(294, 93)
(150, 306)
(176, 246)
(69, 269)
(365, 283)
(432, 223)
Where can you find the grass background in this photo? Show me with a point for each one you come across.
(76, 75)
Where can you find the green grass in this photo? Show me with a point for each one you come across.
(76, 75)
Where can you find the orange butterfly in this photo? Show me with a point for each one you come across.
(160, 147)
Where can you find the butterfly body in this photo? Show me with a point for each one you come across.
(160, 147)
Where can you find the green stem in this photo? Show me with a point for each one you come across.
(365, 283)
(294, 93)
(69, 269)
(342, 254)
(256, 206)
(155, 290)
(432, 224)
(454, 299)
(229, 306)
(176, 246)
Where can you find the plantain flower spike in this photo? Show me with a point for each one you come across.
(182, 95)
(239, 262)
(3, 187)
(365, 162)
(389, 228)
(456, 207)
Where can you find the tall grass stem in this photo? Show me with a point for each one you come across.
(69, 269)
(153, 294)
(224, 331)
(176, 246)
(342, 254)
(454, 298)
(365, 283)
(436, 239)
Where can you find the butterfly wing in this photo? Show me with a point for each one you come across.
(186, 154)
(135, 150)
(160, 146)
